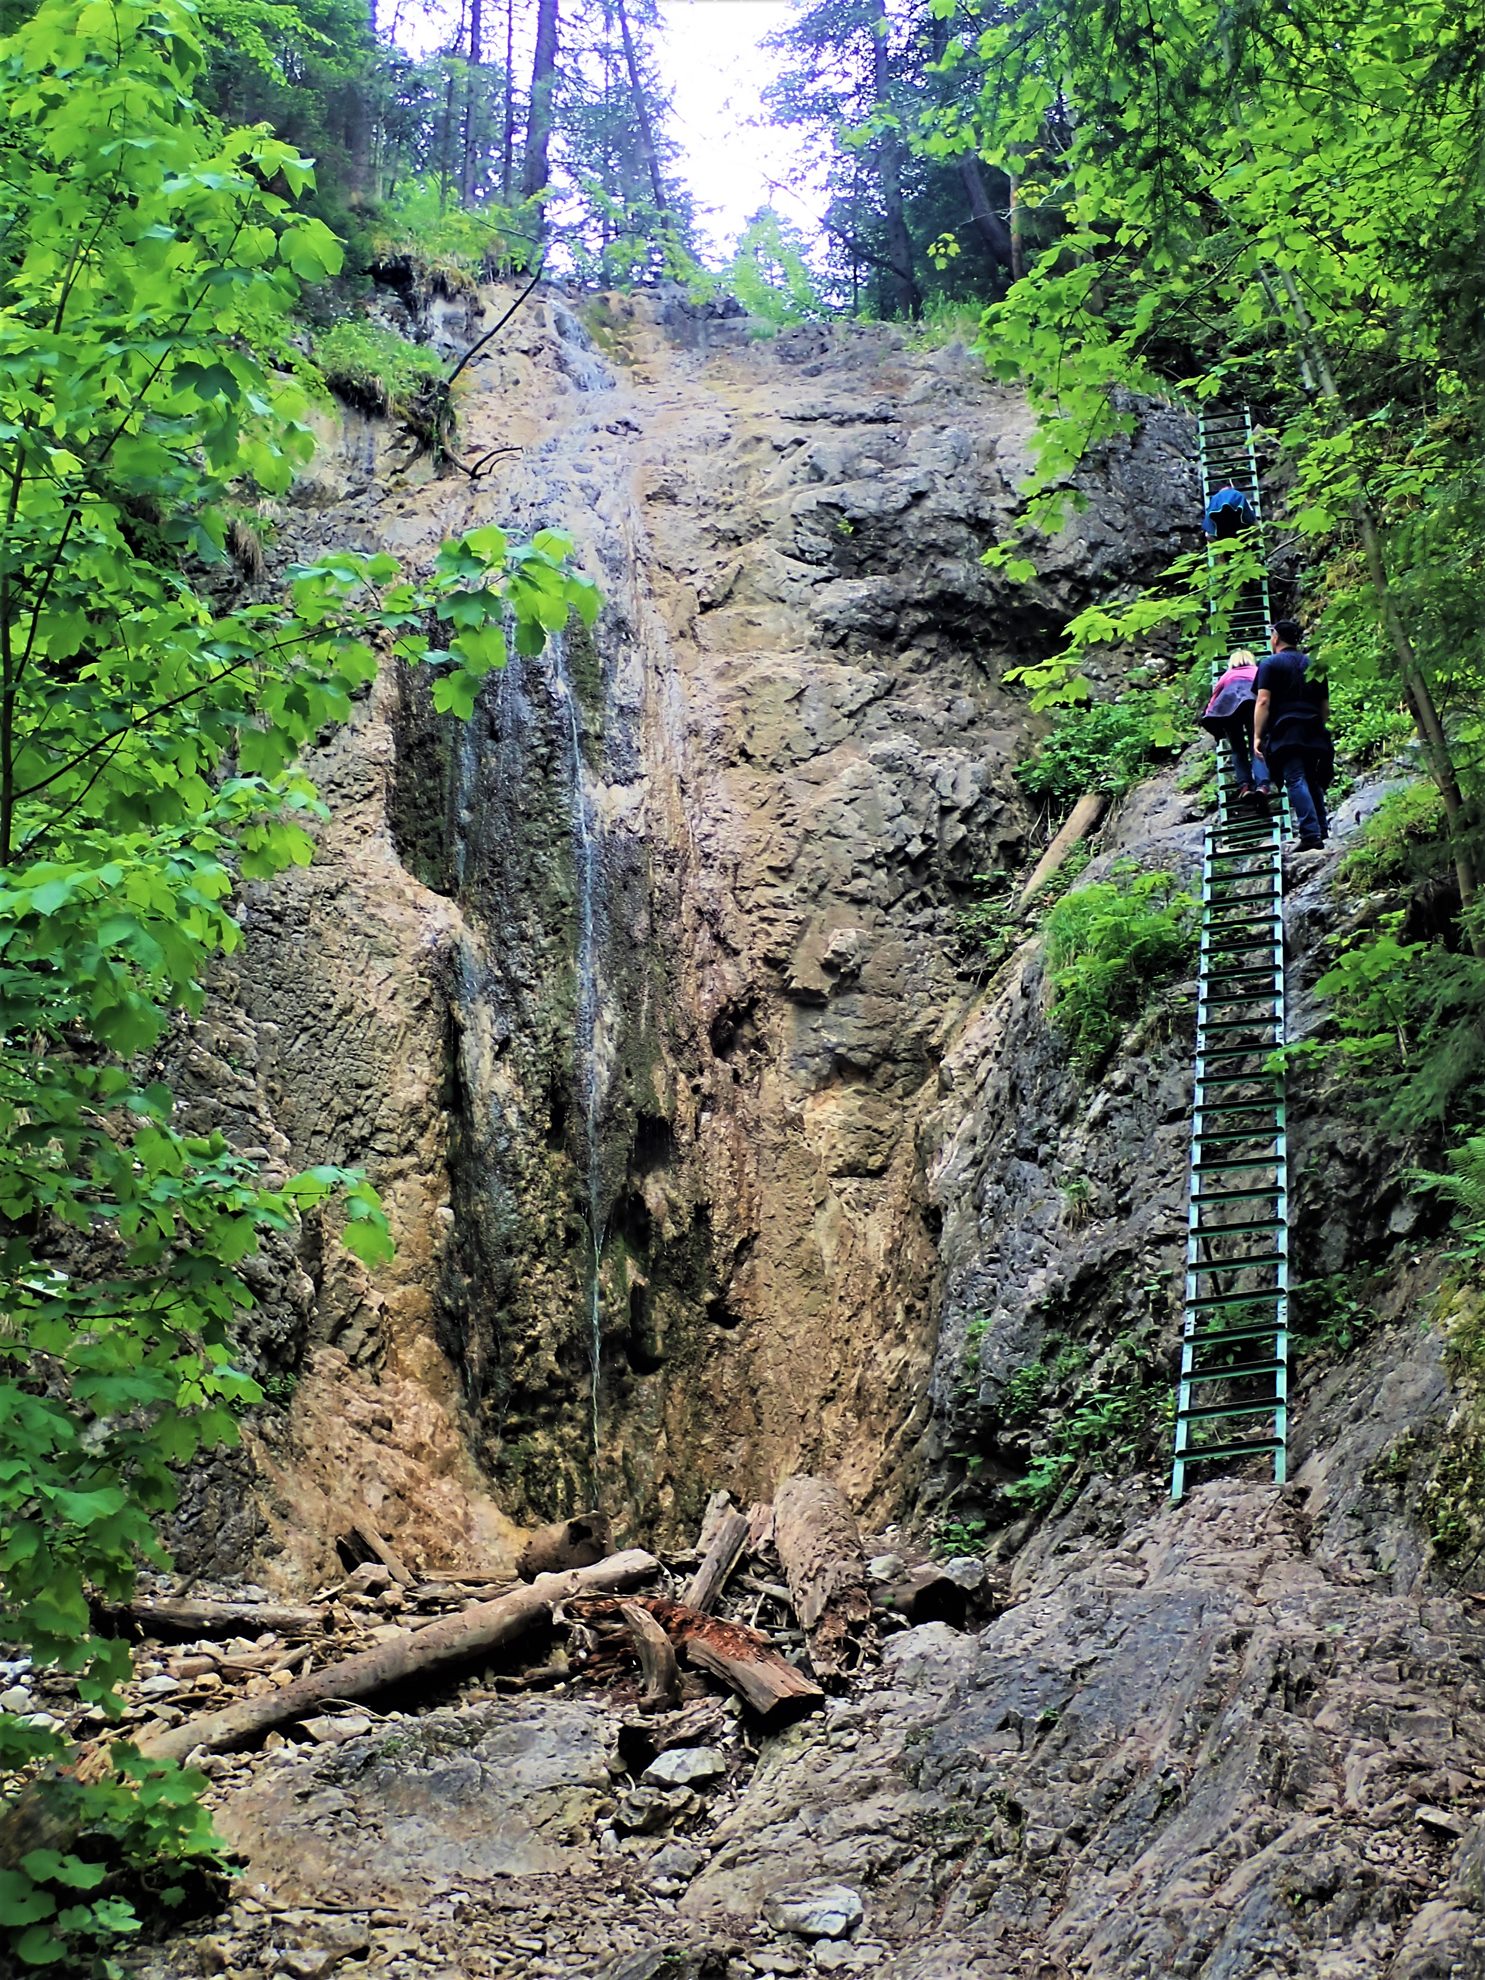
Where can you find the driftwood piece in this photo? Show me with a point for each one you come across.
(1085, 815)
(760, 1527)
(189, 1616)
(377, 1548)
(719, 1507)
(744, 1659)
(444, 1645)
(578, 1542)
(657, 1660)
(819, 1544)
(727, 1543)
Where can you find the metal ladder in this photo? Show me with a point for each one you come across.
(1232, 1394)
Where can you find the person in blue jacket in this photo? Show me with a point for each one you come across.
(1228, 513)
(1290, 730)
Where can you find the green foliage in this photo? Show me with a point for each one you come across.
(1330, 1316)
(966, 1535)
(768, 273)
(371, 367)
(1403, 838)
(1108, 947)
(1463, 1186)
(147, 749)
(1212, 190)
(1410, 1018)
(1082, 1412)
(1099, 746)
(462, 245)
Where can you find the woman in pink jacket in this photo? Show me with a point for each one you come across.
(1229, 717)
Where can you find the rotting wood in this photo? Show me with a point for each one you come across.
(819, 1544)
(452, 1641)
(729, 1538)
(760, 1527)
(657, 1660)
(567, 1543)
(189, 1616)
(1086, 813)
(378, 1548)
(744, 1659)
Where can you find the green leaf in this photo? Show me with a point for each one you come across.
(453, 694)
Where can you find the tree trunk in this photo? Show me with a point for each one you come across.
(473, 93)
(819, 1544)
(642, 113)
(1436, 750)
(536, 171)
(1018, 232)
(190, 1616)
(508, 115)
(991, 229)
(445, 141)
(906, 298)
(657, 1660)
(442, 1646)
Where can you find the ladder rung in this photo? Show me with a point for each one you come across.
(1259, 1447)
(1238, 1230)
(1219, 1412)
(1238, 1373)
(1238, 1195)
(1259, 1262)
(1206, 1302)
(1221, 1336)
(1239, 1051)
(1205, 1080)
(1235, 1161)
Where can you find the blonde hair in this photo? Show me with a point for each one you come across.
(1242, 658)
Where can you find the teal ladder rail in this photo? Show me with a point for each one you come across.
(1232, 1396)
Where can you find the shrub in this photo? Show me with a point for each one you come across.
(1403, 838)
(1411, 1023)
(1108, 947)
(1100, 746)
(372, 368)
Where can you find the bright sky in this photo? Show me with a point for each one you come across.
(711, 57)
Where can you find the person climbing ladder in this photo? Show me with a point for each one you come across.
(1229, 717)
(1290, 733)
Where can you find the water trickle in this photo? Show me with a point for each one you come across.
(589, 1054)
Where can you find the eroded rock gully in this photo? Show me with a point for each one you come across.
(686, 896)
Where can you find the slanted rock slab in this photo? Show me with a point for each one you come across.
(815, 1911)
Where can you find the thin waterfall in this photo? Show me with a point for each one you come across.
(588, 1044)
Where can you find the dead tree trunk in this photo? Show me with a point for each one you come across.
(744, 1659)
(1085, 816)
(820, 1546)
(188, 1616)
(721, 1557)
(568, 1543)
(657, 1660)
(444, 1645)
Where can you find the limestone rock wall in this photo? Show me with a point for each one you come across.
(663, 947)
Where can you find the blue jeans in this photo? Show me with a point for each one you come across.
(1246, 767)
(1294, 769)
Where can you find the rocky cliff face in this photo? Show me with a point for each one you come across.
(643, 1000)
(636, 994)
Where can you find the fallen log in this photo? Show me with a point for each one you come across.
(1085, 815)
(657, 1660)
(744, 1659)
(188, 1616)
(578, 1542)
(819, 1544)
(451, 1641)
(721, 1557)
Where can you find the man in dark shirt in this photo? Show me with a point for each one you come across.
(1289, 730)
